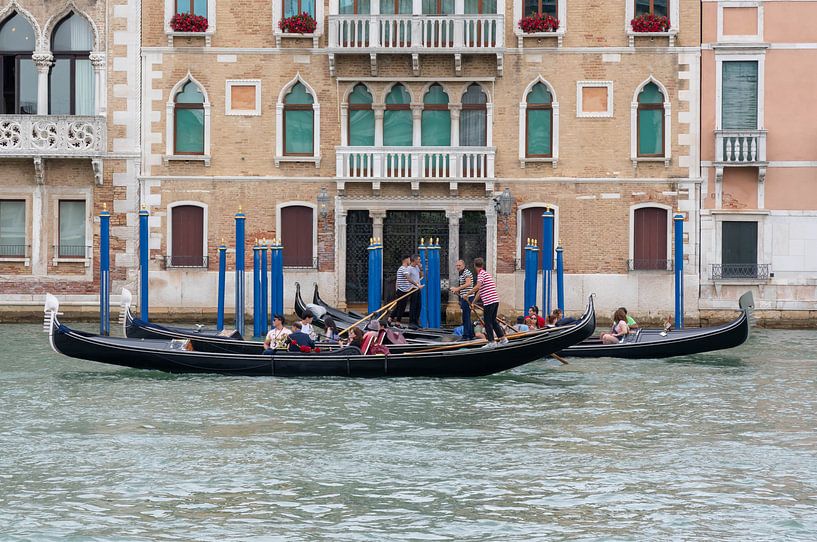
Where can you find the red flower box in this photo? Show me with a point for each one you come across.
(538, 23)
(187, 22)
(298, 24)
(650, 23)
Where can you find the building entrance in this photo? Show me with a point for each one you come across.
(358, 234)
(402, 231)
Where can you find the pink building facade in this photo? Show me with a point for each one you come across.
(758, 227)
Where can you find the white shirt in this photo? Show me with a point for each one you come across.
(276, 337)
(309, 330)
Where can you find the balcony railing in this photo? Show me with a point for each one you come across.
(649, 265)
(14, 251)
(429, 33)
(740, 147)
(52, 135)
(748, 271)
(73, 252)
(187, 261)
(410, 163)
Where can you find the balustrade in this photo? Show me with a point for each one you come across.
(410, 163)
(740, 147)
(52, 135)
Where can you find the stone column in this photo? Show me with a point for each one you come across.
(98, 61)
(454, 217)
(38, 267)
(379, 110)
(340, 256)
(377, 217)
(455, 124)
(490, 238)
(417, 124)
(43, 60)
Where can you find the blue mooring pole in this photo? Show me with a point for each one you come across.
(435, 294)
(104, 272)
(560, 278)
(547, 261)
(678, 223)
(531, 264)
(144, 253)
(222, 280)
(239, 271)
(373, 297)
(277, 279)
(256, 290)
(264, 289)
(424, 292)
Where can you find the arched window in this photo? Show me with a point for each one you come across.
(188, 121)
(474, 118)
(299, 122)
(187, 239)
(71, 83)
(297, 230)
(195, 7)
(650, 121)
(361, 117)
(539, 122)
(17, 71)
(397, 123)
(436, 119)
(650, 238)
(532, 228)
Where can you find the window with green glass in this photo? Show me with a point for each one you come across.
(299, 122)
(72, 219)
(650, 121)
(361, 117)
(12, 228)
(539, 122)
(739, 91)
(436, 118)
(194, 7)
(296, 7)
(188, 114)
(397, 121)
(474, 118)
(356, 7)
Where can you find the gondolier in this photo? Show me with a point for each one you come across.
(466, 284)
(404, 283)
(485, 289)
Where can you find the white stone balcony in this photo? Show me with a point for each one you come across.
(54, 136)
(415, 165)
(740, 147)
(416, 35)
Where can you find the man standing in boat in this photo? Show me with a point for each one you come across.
(485, 289)
(415, 275)
(403, 285)
(466, 282)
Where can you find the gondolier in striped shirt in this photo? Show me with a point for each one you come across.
(403, 285)
(466, 283)
(485, 289)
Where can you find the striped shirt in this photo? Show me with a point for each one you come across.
(464, 276)
(487, 290)
(403, 284)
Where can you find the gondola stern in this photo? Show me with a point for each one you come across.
(50, 323)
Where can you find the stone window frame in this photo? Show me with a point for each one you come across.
(169, 229)
(523, 104)
(26, 198)
(278, 14)
(559, 34)
(750, 55)
(72, 195)
(170, 11)
(674, 20)
(667, 158)
(170, 125)
(594, 84)
(279, 125)
(228, 109)
(756, 38)
(670, 230)
(764, 240)
(297, 203)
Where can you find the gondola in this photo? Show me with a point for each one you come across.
(657, 343)
(164, 355)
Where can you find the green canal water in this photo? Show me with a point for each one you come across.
(720, 446)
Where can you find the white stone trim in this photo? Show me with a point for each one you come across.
(594, 114)
(711, 224)
(67, 8)
(30, 223)
(169, 124)
(647, 204)
(14, 6)
(523, 105)
(749, 55)
(169, 225)
(278, 14)
(72, 194)
(280, 206)
(170, 6)
(228, 109)
(279, 125)
(667, 158)
(674, 22)
(561, 15)
(522, 207)
(740, 4)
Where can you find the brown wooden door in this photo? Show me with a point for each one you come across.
(650, 238)
(296, 235)
(532, 228)
(188, 236)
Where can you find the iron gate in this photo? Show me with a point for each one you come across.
(402, 231)
(472, 236)
(358, 233)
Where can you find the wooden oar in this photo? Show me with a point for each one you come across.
(385, 307)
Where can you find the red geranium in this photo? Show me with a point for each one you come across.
(187, 22)
(538, 23)
(650, 23)
(298, 24)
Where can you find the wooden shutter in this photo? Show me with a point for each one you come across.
(739, 243)
(296, 235)
(650, 238)
(188, 236)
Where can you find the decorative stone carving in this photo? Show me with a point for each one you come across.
(10, 135)
(98, 60)
(52, 135)
(96, 164)
(39, 170)
(43, 60)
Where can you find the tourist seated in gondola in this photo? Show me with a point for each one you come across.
(560, 319)
(300, 341)
(479, 330)
(306, 325)
(619, 330)
(533, 313)
(373, 338)
(330, 329)
(276, 338)
(356, 337)
(521, 325)
(631, 323)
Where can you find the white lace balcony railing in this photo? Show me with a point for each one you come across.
(740, 147)
(52, 135)
(419, 33)
(415, 163)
